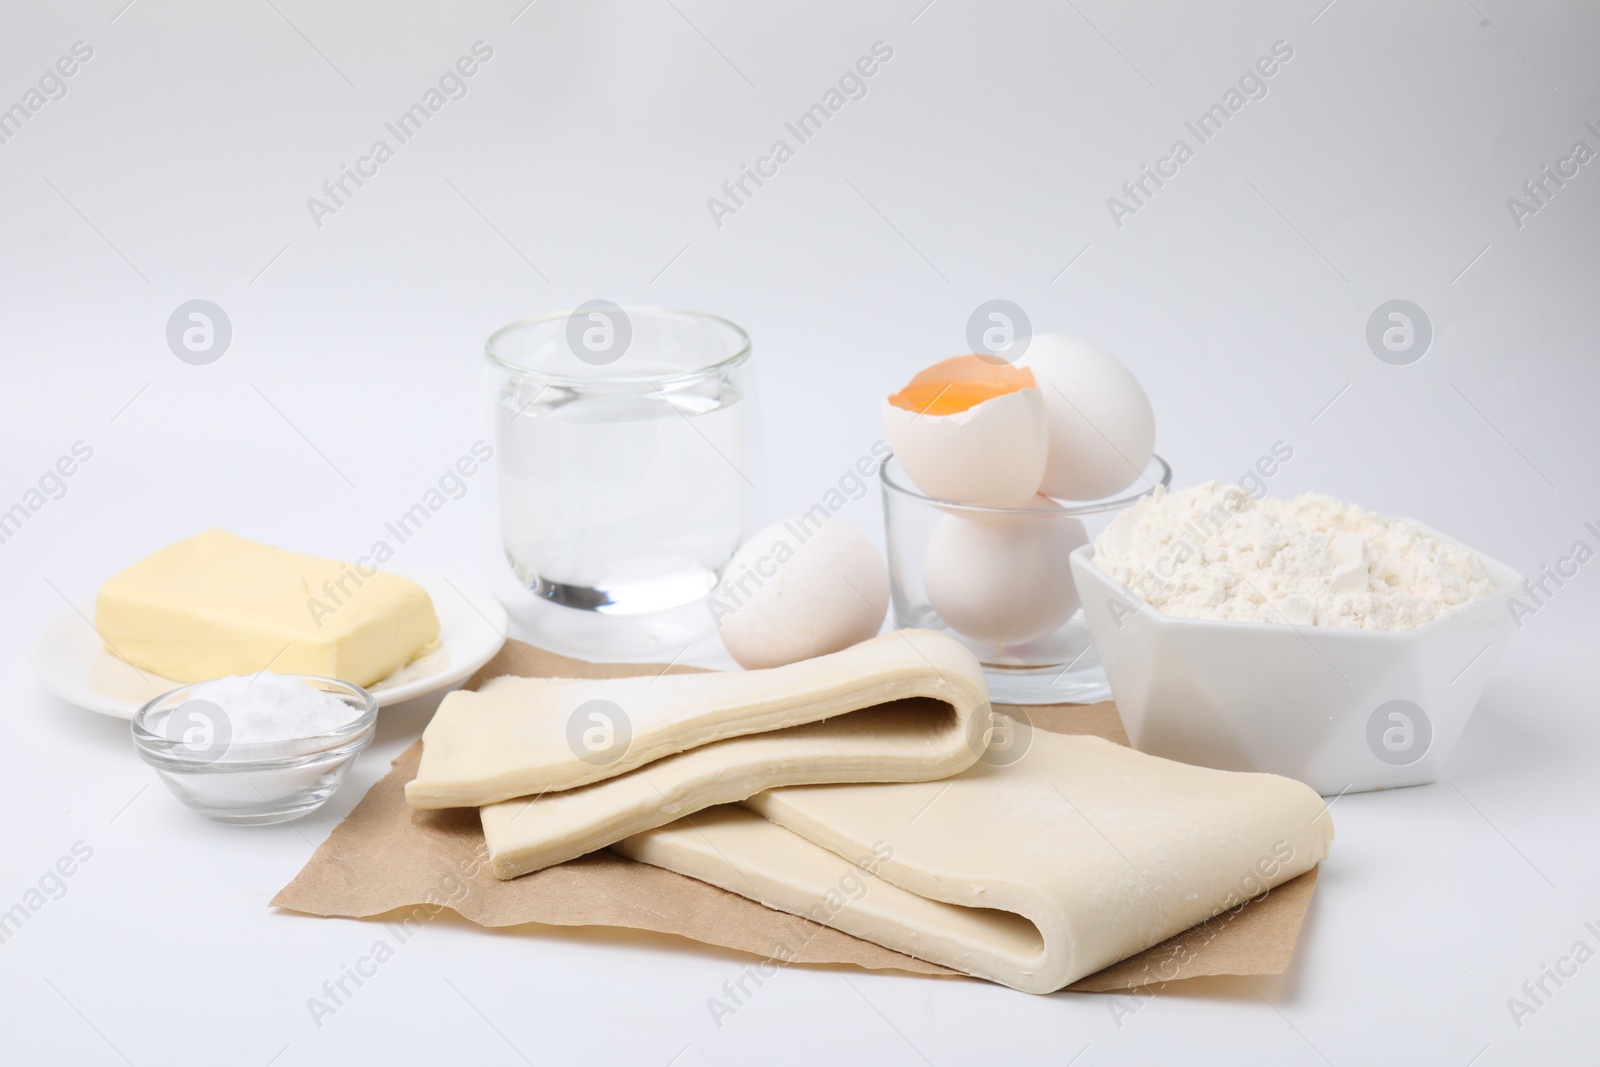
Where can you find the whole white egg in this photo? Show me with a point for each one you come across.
(1004, 579)
(1102, 429)
(800, 588)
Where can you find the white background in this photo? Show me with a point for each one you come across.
(978, 166)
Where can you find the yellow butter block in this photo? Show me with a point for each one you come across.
(217, 604)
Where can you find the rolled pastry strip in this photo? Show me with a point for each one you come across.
(518, 737)
(912, 740)
(1034, 874)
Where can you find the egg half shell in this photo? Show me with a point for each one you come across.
(992, 454)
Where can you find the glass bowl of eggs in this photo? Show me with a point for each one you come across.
(1000, 469)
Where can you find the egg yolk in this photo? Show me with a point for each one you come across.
(959, 383)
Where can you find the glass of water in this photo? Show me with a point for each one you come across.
(626, 454)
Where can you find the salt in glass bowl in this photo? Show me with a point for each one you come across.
(188, 741)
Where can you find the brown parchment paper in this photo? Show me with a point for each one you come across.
(389, 860)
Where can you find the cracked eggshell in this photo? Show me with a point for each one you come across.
(797, 590)
(1004, 579)
(992, 454)
(1102, 429)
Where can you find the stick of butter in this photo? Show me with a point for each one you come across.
(217, 605)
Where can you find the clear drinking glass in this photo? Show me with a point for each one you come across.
(625, 454)
(963, 554)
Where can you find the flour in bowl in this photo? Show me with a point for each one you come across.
(1212, 552)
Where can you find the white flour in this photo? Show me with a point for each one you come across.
(1211, 552)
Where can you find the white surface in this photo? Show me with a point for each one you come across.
(71, 661)
(1297, 700)
(978, 165)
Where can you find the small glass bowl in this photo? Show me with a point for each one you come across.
(255, 782)
(1030, 549)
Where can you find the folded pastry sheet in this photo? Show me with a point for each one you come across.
(908, 706)
(1033, 874)
(911, 740)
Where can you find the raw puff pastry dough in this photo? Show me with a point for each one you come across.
(1035, 874)
(909, 706)
(896, 742)
(510, 738)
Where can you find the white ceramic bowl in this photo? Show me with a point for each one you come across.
(1341, 710)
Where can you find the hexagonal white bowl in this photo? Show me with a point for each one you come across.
(1341, 710)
